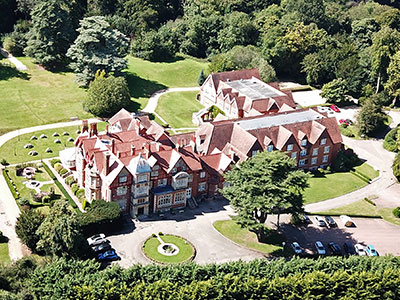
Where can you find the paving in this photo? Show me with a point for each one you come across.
(194, 225)
(308, 98)
(19, 65)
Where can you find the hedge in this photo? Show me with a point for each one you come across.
(359, 175)
(54, 161)
(10, 185)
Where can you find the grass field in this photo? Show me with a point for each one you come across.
(366, 170)
(241, 236)
(4, 256)
(185, 249)
(36, 97)
(364, 208)
(177, 108)
(13, 151)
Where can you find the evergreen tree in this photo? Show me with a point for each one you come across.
(371, 118)
(98, 47)
(393, 84)
(27, 224)
(201, 78)
(51, 34)
(266, 183)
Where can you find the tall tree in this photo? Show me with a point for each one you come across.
(27, 224)
(335, 91)
(266, 183)
(97, 47)
(393, 84)
(51, 34)
(371, 118)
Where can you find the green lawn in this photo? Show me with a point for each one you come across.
(241, 236)
(366, 170)
(36, 97)
(13, 151)
(185, 249)
(4, 256)
(177, 108)
(145, 77)
(331, 186)
(364, 208)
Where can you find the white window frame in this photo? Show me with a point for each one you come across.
(164, 200)
(315, 152)
(122, 190)
(314, 160)
(202, 187)
(302, 162)
(254, 153)
(180, 197)
(188, 193)
(304, 142)
(141, 178)
(162, 182)
(289, 147)
(303, 152)
(123, 178)
(294, 155)
(270, 148)
(202, 174)
(325, 158)
(323, 141)
(327, 149)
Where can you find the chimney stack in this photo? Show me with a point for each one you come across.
(133, 150)
(106, 168)
(118, 154)
(146, 147)
(177, 145)
(112, 146)
(93, 129)
(85, 126)
(107, 129)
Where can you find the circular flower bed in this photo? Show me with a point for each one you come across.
(172, 250)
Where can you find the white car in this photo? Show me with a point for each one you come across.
(320, 248)
(359, 250)
(320, 221)
(296, 248)
(97, 239)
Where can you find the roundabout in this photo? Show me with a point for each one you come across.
(168, 249)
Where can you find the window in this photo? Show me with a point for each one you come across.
(315, 152)
(294, 155)
(189, 193)
(303, 152)
(202, 174)
(154, 173)
(121, 190)
(162, 182)
(142, 178)
(181, 183)
(302, 162)
(164, 200)
(254, 153)
(270, 148)
(325, 158)
(290, 147)
(314, 160)
(304, 142)
(173, 170)
(141, 200)
(326, 149)
(190, 179)
(141, 190)
(202, 186)
(180, 197)
(123, 178)
(323, 141)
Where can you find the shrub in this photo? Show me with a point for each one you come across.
(74, 188)
(80, 193)
(154, 235)
(396, 212)
(58, 167)
(370, 201)
(160, 233)
(23, 202)
(46, 199)
(63, 171)
(54, 161)
(347, 130)
(84, 204)
(390, 141)
(4, 162)
(70, 180)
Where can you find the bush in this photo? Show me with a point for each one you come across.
(46, 199)
(4, 162)
(347, 130)
(70, 180)
(63, 171)
(80, 193)
(396, 212)
(54, 161)
(390, 141)
(58, 167)
(85, 204)
(160, 233)
(74, 188)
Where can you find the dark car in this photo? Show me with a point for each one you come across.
(108, 255)
(306, 219)
(331, 222)
(348, 247)
(335, 248)
(102, 247)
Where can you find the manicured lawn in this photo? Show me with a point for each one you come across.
(36, 97)
(331, 186)
(4, 256)
(364, 208)
(242, 236)
(145, 77)
(13, 151)
(185, 249)
(177, 108)
(367, 170)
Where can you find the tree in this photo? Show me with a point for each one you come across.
(393, 84)
(306, 11)
(265, 184)
(7, 15)
(16, 42)
(107, 95)
(97, 47)
(60, 233)
(201, 78)
(335, 91)
(371, 118)
(48, 45)
(27, 224)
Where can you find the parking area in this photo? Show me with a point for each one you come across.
(382, 235)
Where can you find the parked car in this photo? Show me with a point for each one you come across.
(320, 221)
(335, 248)
(330, 221)
(102, 247)
(96, 239)
(320, 248)
(348, 247)
(335, 108)
(359, 250)
(347, 221)
(343, 121)
(370, 250)
(296, 248)
(349, 122)
(307, 219)
(108, 255)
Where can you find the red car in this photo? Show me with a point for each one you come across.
(335, 108)
(343, 121)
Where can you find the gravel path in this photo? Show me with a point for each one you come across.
(19, 65)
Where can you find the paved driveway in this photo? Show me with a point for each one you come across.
(383, 235)
(194, 225)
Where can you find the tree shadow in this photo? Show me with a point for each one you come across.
(140, 87)
(7, 72)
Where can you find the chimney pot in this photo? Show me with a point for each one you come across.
(133, 150)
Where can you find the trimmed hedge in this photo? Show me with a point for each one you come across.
(390, 141)
(54, 161)
(58, 167)
(63, 171)
(9, 183)
(396, 212)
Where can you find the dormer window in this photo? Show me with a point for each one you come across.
(254, 153)
(202, 174)
(123, 178)
(270, 148)
(289, 147)
(304, 142)
(323, 141)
